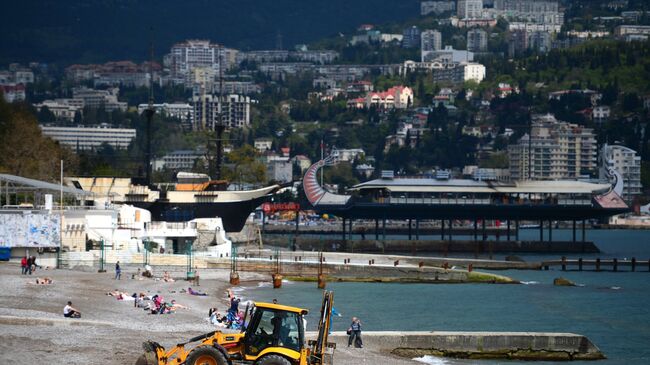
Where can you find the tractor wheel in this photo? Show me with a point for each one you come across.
(273, 360)
(206, 355)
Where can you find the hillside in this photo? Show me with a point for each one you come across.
(82, 31)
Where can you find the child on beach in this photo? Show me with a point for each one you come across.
(71, 312)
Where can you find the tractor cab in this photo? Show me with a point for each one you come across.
(275, 328)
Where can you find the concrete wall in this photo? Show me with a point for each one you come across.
(508, 345)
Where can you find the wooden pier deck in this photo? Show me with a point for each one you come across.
(598, 264)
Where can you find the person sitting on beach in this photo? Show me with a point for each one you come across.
(43, 281)
(195, 292)
(167, 277)
(148, 273)
(175, 305)
(70, 312)
(117, 293)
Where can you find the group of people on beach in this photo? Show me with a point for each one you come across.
(233, 319)
(155, 304)
(28, 265)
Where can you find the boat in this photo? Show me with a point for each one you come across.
(431, 198)
(191, 196)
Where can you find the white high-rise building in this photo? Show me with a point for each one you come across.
(627, 163)
(430, 40)
(469, 9)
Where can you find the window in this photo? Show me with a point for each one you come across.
(281, 329)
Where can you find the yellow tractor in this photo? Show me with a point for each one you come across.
(274, 335)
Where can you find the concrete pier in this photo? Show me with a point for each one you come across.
(438, 246)
(480, 345)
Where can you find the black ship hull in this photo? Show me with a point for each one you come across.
(532, 212)
(232, 214)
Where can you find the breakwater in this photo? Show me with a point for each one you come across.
(340, 269)
(481, 345)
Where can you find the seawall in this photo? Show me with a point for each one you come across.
(480, 345)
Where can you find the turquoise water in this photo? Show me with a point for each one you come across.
(612, 309)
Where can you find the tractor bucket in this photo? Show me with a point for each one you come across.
(150, 356)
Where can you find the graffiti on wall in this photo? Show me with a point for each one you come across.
(27, 229)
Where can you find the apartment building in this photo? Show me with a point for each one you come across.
(477, 40)
(186, 56)
(431, 40)
(554, 150)
(99, 98)
(626, 162)
(411, 37)
(469, 9)
(208, 111)
(437, 7)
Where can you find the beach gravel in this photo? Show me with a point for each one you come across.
(33, 329)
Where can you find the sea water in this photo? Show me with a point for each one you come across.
(611, 308)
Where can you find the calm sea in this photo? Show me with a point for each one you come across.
(612, 309)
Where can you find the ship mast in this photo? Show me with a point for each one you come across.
(219, 126)
(149, 113)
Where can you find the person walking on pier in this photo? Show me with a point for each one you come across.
(118, 271)
(354, 333)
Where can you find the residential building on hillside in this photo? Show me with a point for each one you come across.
(86, 138)
(61, 108)
(411, 37)
(264, 56)
(263, 144)
(437, 7)
(553, 151)
(431, 40)
(95, 99)
(469, 9)
(539, 41)
(447, 55)
(187, 55)
(601, 113)
(348, 155)
(13, 92)
(627, 163)
(209, 111)
(398, 97)
(623, 30)
(16, 75)
(181, 111)
(529, 11)
(182, 160)
(279, 171)
(477, 40)
(471, 71)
